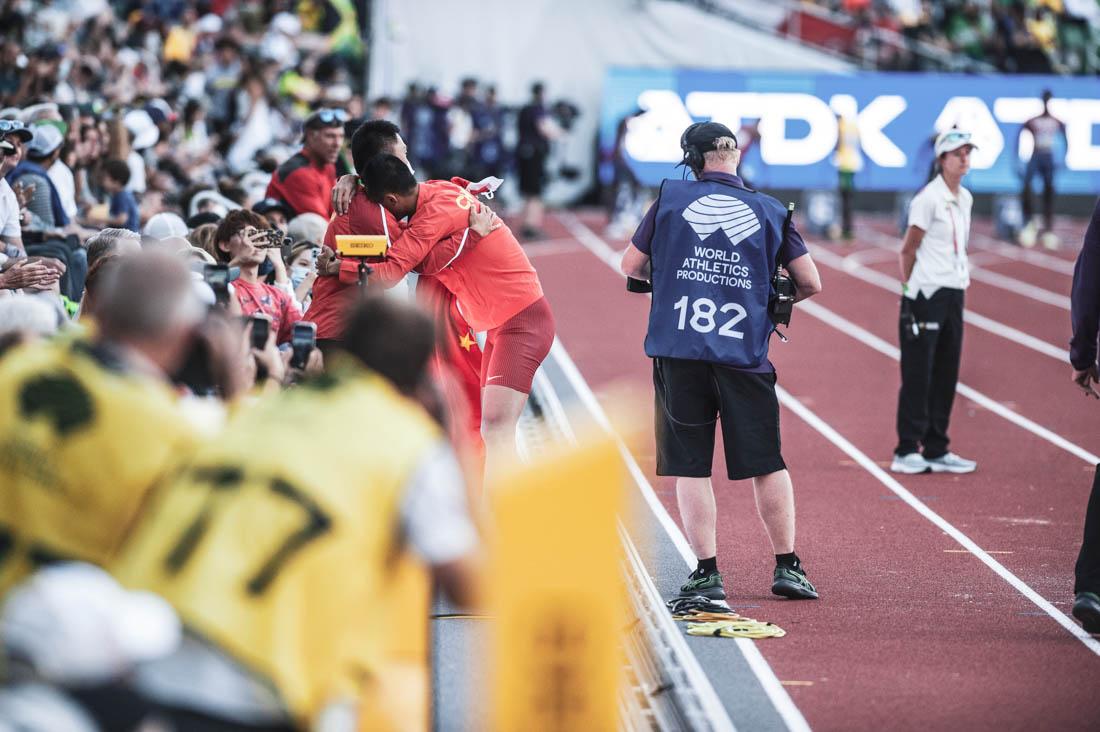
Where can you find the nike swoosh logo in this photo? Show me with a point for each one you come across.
(494, 377)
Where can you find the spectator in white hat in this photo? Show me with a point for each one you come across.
(308, 227)
(143, 135)
(164, 225)
(11, 235)
(43, 149)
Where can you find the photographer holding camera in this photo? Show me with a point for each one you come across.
(935, 274)
(711, 247)
(243, 240)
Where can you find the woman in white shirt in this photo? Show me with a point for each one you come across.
(935, 273)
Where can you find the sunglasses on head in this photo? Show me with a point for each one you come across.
(331, 116)
(957, 137)
(11, 125)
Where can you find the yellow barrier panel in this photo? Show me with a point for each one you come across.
(556, 590)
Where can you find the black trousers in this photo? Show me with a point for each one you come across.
(1087, 571)
(929, 371)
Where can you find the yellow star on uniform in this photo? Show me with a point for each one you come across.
(466, 341)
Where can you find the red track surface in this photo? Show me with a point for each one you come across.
(912, 631)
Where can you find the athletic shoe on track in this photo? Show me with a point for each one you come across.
(1086, 608)
(910, 464)
(792, 584)
(709, 585)
(951, 463)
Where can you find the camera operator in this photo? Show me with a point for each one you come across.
(710, 247)
(87, 427)
(242, 240)
(935, 274)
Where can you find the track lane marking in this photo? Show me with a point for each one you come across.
(988, 277)
(826, 431)
(1040, 260)
(985, 242)
(839, 322)
(600, 248)
(886, 282)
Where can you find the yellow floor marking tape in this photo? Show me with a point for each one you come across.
(744, 628)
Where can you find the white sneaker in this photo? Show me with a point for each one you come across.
(910, 464)
(951, 463)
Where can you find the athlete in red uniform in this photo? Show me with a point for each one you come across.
(458, 357)
(498, 290)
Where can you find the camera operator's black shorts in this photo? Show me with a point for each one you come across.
(691, 396)
(532, 173)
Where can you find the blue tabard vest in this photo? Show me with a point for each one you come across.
(713, 254)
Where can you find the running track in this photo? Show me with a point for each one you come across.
(943, 597)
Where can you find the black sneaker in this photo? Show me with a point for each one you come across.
(707, 585)
(791, 583)
(1086, 608)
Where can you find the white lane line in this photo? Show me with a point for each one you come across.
(941, 523)
(993, 279)
(778, 695)
(988, 243)
(591, 240)
(886, 282)
(864, 336)
(1037, 259)
(1011, 284)
(833, 436)
(714, 710)
(588, 399)
(551, 247)
(1061, 355)
(554, 406)
(873, 255)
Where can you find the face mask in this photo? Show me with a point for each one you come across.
(297, 275)
(266, 267)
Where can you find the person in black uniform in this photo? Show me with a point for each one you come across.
(536, 131)
(710, 248)
(1085, 313)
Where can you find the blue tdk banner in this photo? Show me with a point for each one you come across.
(898, 115)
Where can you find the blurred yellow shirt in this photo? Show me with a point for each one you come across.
(81, 442)
(848, 158)
(280, 560)
(179, 44)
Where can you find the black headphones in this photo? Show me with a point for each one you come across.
(693, 156)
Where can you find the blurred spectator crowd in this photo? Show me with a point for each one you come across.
(1013, 36)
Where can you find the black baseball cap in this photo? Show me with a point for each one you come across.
(702, 135)
(273, 204)
(203, 217)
